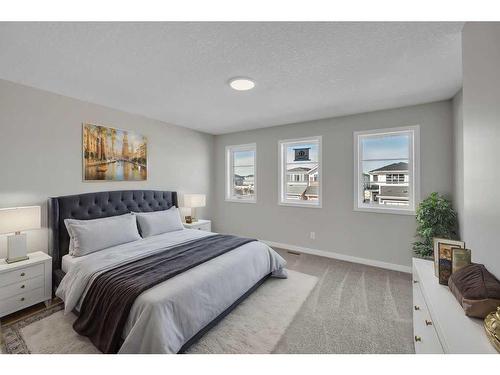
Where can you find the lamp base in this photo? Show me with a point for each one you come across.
(14, 260)
(16, 248)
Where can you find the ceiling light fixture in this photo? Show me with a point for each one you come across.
(241, 84)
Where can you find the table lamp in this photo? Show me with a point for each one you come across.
(193, 201)
(14, 220)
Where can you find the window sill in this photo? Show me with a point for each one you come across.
(394, 211)
(303, 205)
(241, 200)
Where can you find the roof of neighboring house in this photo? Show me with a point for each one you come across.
(299, 169)
(401, 166)
(240, 176)
(313, 170)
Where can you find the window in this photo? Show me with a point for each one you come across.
(387, 173)
(240, 173)
(300, 169)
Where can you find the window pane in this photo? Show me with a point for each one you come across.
(243, 182)
(243, 158)
(385, 147)
(301, 180)
(386, 182)
(240, 173)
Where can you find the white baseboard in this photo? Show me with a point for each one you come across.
(348, 258)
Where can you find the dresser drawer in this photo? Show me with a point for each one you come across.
(20, 274)
(21, 287)
(21, 301)
(425, 336)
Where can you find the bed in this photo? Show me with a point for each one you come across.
(170, 316)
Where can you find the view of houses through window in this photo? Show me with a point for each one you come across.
(301, 172)
(241, 173)
(385, 177)
(384, 163)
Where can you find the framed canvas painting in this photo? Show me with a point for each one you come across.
(111, 154)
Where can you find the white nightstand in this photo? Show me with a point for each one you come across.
(201, 224)
(25, 283)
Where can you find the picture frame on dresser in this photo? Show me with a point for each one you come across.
(445, 263)
(460, 258)
(446, 242)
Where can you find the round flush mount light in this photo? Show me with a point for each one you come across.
(241, 84)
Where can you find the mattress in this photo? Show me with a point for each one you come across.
(68, 261)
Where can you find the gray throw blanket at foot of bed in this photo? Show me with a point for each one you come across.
(107, 304)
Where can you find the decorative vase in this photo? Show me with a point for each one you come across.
(492, 327)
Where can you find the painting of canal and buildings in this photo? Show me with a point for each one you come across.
(111, 154)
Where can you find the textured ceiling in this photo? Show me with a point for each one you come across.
(178, 72)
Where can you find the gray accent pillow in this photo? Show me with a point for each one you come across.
(158, 222)
(89, 236)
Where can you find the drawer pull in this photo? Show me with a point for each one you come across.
(428, 322)
(416, 308)
(22, 299)
(23, 274)
(415, 281)
(418, 339)
(22, 286)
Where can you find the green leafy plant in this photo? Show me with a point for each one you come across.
(435, 218)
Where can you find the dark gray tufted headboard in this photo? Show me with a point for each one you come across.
(95, 206)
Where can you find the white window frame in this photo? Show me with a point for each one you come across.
(282, 201)
(229, 176)
(413, 171)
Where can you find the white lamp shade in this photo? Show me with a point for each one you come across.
(19, 218)
(194, 200)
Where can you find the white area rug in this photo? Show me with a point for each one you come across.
(255, 326)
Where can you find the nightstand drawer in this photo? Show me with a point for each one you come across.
(21, 301)
(205, 227)
(21, 287)
(20, 274)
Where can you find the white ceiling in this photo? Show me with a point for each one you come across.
(178, 72)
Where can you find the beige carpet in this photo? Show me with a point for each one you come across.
(255, 326)
(353, 309)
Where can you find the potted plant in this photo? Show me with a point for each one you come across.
(435, 218)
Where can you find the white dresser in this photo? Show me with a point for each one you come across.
(25, 283)
(201, 224)
(439, 322)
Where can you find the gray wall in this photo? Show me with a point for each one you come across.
(458, 159)
(382, 237)
(481, 134)
(41, 152)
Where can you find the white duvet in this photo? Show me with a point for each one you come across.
(165, 317)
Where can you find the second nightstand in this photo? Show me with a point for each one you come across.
(201, 224)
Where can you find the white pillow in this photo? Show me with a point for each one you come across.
(158, 222)
(88, 236)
